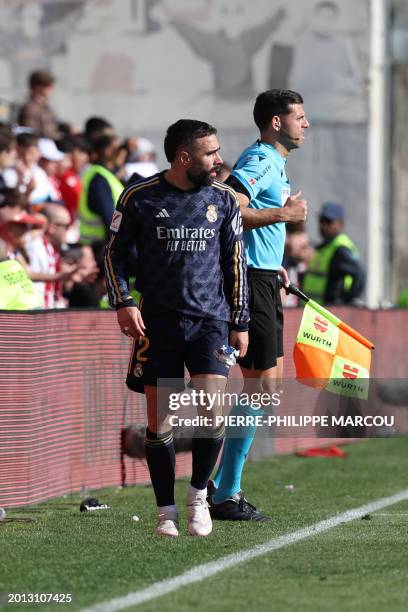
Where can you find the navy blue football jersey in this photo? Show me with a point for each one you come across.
(190, 250)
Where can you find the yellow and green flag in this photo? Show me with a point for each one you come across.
(331, 355)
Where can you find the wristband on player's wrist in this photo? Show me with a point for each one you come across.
(238, 327)
(126, 304)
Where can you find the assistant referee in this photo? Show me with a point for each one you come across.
(259, 178)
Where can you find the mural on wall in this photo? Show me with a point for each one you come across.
(147, 62)
(230, 57)
(31, 35)
(334, 83)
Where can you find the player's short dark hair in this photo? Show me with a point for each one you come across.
(27, 139)
(41, 78)
(184, 133)
(274, 102)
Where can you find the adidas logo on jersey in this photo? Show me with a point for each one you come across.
(162, 213)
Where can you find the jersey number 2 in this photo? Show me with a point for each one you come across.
(144, 345)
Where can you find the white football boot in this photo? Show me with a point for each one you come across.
(198, 513)
(167, 523)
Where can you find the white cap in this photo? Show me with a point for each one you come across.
(145, 169)
(49, 150)
(144, 146)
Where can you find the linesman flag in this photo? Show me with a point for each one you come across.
(329, 354)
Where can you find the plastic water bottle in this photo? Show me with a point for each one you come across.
(227, 355)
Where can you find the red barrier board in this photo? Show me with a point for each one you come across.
(64, 403)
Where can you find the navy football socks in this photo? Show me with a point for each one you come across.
(161, 459)
(206, 447)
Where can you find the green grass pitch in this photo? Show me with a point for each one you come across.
(358, 566)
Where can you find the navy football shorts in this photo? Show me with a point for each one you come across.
(172, 341)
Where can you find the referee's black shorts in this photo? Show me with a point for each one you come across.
(266, 324)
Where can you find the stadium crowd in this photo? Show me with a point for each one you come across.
(58, 189)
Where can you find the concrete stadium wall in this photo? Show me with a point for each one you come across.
(145, 63)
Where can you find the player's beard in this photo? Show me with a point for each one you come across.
(200, 179)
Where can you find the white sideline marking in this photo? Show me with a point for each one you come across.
(201, 572)
(392, 514)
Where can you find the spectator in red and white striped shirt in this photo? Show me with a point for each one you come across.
(44, 255)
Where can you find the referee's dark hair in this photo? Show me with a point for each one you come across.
(274, 102)
(184, 133)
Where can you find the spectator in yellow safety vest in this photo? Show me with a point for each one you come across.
(334, 274)
(17, 291)
(100, 190)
